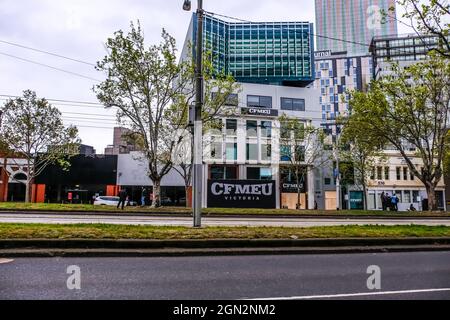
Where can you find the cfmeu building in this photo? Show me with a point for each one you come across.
(244, 162)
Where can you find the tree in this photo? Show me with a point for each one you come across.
(301, 147)
(220, 100)
(361, 151)
(410, 108)
(34, 131)
(428, 17)
(141, 84)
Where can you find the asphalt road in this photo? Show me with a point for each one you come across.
(208, 221)
(419, 275)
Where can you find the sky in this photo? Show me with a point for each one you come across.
(79, 29)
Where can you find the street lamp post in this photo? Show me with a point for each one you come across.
(198, 136)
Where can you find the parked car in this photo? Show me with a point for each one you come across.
(110, 201)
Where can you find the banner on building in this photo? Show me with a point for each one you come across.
(241, 194)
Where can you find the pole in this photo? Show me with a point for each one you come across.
(198, 154)
(338, 179)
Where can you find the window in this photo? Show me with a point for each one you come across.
(252, 151)
(379, 173)
(405, 173)
(231, 151)
(284, 131)
(231, 127)
(231, 99)
(252, 128)
(285, 153)
(223, 172)
(386, 173)
(266, 152)
(398, 169)
(266, 129)
(300, 154)
(259, 101)
(327, 181)
(216, 150)
(293, 104)
(407, 196)
(259, 174)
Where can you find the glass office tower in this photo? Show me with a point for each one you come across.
(354, 21)
(279, 53)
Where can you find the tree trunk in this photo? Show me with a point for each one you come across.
(364, 197)
(431, 192)
(298, 193)
(28, 191)
(156, 203)
(186, 191)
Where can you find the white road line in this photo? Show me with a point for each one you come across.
(3, 261)
(361, 294)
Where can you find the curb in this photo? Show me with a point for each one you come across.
(214, 247)
(216, 243)
(223, 215)
(104, 253)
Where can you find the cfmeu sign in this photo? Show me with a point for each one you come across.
(241, 194)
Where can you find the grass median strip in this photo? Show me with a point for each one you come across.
(67, 208)
(105, 231)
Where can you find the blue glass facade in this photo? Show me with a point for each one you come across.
(280, 53)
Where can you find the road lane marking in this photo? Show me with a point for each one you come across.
(3, 261)
(360, 294)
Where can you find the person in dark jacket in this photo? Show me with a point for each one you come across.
(122, 198)
(384, 201)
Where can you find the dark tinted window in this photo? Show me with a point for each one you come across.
(293, 104)
(259, 101)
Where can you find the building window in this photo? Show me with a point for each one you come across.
(266, 129)
(399, 174)
(252, 128)
(231, 151)
(223, 172)
(293, 104)
(259, 173)
(386, 173)
(405, 173)
(252, 151)
(266, 152)
(216, 150)
(285, 153)
(327, 181)
(231, 100)
(231, 127)
(379, 173)
(259, 101)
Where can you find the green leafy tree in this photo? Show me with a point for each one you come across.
(220, 100)
(410, 108)
(141, 84)
(33, 131)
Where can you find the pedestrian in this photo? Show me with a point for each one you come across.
(383, 201)
(412, 208)
(394, 201)
(315, 205)
(122, 198)
(388, 202)
(144, 196)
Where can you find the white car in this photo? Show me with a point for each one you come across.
(111, 201)
(106, 201)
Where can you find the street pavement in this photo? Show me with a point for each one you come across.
(209, 221)
(418, 275)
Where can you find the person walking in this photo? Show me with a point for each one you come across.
(383, 201)
(394, 201)
(122, 198)
(144, 197)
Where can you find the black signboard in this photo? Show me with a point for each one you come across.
(291, 187)
(241, 194)
(265, 112)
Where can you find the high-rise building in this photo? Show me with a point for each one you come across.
(354, 21)
(279, 53)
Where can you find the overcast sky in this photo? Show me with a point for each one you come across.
(79, 28)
